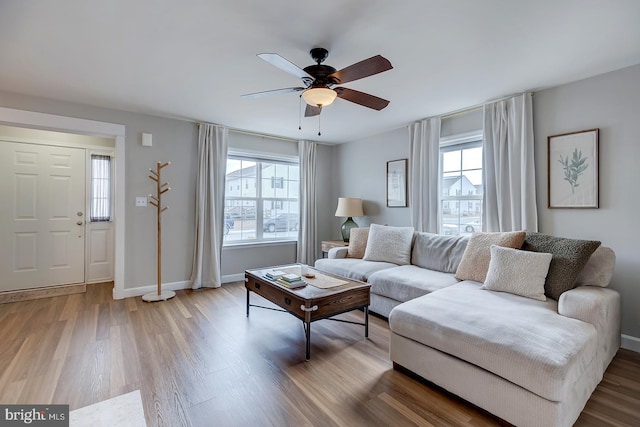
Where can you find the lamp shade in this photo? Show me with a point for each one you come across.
(319, 96)
(349, 206)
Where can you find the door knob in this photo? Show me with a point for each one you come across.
(79, 222)
(79, 214)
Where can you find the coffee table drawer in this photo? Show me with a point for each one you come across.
(278, 296)
(340, 303)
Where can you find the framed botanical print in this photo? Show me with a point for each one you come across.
(397, 183)
(572, 165)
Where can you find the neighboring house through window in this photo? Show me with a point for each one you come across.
(262, 203)
(461, 185)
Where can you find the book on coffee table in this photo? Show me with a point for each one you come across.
(274, 274)
(291, 277)
(292, 285)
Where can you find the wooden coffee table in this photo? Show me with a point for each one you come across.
(331, 296)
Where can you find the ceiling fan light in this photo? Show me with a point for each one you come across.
(319, 96)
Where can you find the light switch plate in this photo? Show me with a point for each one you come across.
(141, 202)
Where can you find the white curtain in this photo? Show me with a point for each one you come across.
(424, 182)
(307, 238)
(210, 185)
(508, 166)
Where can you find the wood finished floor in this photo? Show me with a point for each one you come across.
(198, 361)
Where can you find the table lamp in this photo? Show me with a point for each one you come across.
(349, 207)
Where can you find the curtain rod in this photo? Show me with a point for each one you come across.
(442, 116)
(261, 135)
(477, 107)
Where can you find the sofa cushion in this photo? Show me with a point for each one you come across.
(598, 271)
(389, 244)
(408, 281)
(475, 260)
(357, 242)
(517, 272)
(569, 257)
(438, 252)
(519, 339)
(351, 268)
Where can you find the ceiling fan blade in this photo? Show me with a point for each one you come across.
(286, 65)
(272, 92)
(311, 111)
(368, 67)
(361, 98)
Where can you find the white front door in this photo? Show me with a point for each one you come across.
(42, 191)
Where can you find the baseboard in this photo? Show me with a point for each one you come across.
(143, 290)
(233, 278)
(174, 286)
(37, 293)
(630, 343)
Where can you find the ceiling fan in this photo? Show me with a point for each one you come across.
(319, 81)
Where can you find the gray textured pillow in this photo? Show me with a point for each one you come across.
(438, 252)
(569, 257)
(389, 244)
(517, 272)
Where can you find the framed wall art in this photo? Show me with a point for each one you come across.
(572, 165)
(397, 183)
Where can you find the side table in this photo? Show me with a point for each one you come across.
(328, 244)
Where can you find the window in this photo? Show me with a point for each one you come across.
(100, 199)
(462, 189)
(277, 182)
(265, 204)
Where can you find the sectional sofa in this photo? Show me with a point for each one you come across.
(521, 325)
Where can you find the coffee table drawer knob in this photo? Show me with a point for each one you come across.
(257, 285)
(303, 308)
(287, 301)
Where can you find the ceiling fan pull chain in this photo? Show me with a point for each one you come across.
(300, 112)
(319, 134)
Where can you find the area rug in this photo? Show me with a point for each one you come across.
(125, 410)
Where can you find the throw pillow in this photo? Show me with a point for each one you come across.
(389, 244)
(357, 242)
(598, 271)
(438, 252)
(476, 257)
(569, 257)
(517, 272)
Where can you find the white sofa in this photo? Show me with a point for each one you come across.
(529, 362)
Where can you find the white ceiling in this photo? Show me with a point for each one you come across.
(193, 59)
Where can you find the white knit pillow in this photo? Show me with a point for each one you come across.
(389, 244)
(517, 272)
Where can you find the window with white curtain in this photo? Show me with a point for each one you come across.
(100, 199)
(461, 186)
(262, 199)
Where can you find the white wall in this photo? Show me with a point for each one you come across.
(610, 102)
(175, 141)
(236, 259)
(362, 164)
(462, 123)
(361, 169)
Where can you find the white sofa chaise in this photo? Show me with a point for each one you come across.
(529, 362)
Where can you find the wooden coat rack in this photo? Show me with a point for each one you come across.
(157, 202)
